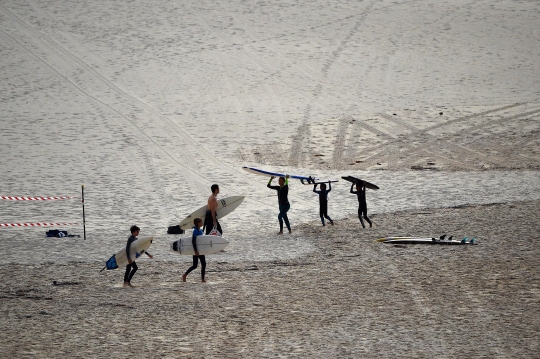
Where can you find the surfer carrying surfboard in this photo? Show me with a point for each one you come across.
(210, 219)
(323, 201)
(283, 200)
(131, 268)
(362, 205)
(197, 231)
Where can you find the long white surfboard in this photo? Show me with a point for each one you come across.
(137, 249)
(225, 206)
(258, 171)
(205, 244)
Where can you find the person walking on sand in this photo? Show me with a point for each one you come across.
(283, 200)
(210, 219)
(323, 201)
(362, 205)
(197, 231)
(131, 268)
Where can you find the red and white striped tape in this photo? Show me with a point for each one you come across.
(38, 224)
(17, 198)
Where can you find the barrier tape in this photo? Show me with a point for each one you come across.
(39, 224)
(16, 198)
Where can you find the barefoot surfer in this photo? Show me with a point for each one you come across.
(283, 200)
(362, 205)
(210, 219)
(131, 268)
(323, 202)
(197, 231)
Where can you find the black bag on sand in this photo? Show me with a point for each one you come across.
(175, 230)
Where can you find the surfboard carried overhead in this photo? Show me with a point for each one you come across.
(225, 206)
(358, 180)
(260, 172)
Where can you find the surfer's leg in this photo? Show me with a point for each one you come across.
(219, 227)
(203, 266)
(285, 218)
(360, 217)
(195, 263)
(126, 275)
(325, 214)
(364, 213)
(322, 212)
(280, 219)
(133, 270)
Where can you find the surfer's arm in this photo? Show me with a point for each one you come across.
(270, 186)
(194, 243)
(149, 255)
(315, 189)
(329, 186)
(127, 252)
(352, 186)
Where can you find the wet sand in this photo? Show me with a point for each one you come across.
(351, 297)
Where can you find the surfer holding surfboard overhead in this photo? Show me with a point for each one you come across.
(283, 200)
(323, 202)
(210, 219)
(362, 205)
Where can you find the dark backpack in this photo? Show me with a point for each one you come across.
(175, 230)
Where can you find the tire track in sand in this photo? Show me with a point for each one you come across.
(300, 137)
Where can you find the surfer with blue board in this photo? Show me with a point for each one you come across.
(283, 201)
(131, 267)
(323, 201)
(197, 231)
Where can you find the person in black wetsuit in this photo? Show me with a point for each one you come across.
(131, 268)
(323, 201)
(197, 231)
(210, 218)
(362, 205)
(283, 200)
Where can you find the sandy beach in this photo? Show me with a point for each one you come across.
(148, 103)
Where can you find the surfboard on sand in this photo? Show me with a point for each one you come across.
(411, 240)
(358, 180)
(137, 249)
(225, 206)
(205, 244)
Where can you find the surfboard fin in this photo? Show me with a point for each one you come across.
(472, 241)
(464, 240)
(442, 237)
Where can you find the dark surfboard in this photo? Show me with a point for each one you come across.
(358, 180)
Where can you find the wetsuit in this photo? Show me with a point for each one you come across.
(197, 232)
(209, 223)
(284, 205)
(362, 205)
(132, 267)
(323, 203)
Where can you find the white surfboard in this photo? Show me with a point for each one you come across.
(136, 250)
(258, 171)
(205, 245)
(225, 206)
